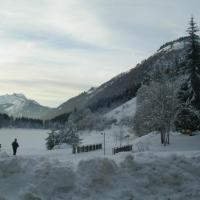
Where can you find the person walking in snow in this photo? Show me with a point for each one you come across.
(15, 145)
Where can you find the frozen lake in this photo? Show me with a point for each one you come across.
(31, 141)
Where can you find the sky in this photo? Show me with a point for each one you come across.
(52, 50)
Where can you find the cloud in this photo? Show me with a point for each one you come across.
(57, 49)
(48, 89)
(70, 19)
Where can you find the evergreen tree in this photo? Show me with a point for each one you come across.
(52, 139)
(194, 51)
(187, 117)
(194, 62)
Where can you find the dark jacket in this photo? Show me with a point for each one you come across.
(15, 145)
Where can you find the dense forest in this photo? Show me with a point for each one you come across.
(7, 121)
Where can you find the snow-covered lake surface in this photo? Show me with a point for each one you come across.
(31, 141)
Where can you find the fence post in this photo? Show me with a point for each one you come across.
(73, 149)
(83, 148)
(78, 149)
(86, 148)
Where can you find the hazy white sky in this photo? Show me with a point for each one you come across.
(51, 50)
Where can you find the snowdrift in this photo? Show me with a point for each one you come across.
(169, 177)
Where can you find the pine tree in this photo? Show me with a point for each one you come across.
(188, 115)
(194, 51)
(194, 62)
(52, 139)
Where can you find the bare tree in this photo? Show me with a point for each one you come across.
(156, 106)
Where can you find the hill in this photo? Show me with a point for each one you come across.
(124, 86)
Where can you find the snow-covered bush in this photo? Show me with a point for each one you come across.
(66, 135)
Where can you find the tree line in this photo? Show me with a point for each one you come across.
(22, 122)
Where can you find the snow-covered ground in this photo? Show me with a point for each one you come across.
(151, 171)
(31, 141)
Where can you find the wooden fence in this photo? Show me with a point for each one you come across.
(86, 148)
(122, 149)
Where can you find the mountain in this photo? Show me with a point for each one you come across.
(124, 86)
(17, 105)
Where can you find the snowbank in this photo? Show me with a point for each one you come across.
(172, 177)
(62, 146)
(178, 143)
(151, 171)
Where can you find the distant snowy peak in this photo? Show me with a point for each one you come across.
(12, 98)
(19, 95)
(17, 105)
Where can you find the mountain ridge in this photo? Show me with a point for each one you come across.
(17, 105)
(108, 95)
(124, 86)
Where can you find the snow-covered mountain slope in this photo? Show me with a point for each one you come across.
(124, 111)
(181, 43)
(77, 102)
(17, 105)
(123, 87)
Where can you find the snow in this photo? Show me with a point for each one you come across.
(178, 142)
(17, 105)
(13, 98)
(15, 102)
(62, 146)
(127, 109)
(151, 171)
(174, 46)
(91, 90)
(30, 140)
(178, 45)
